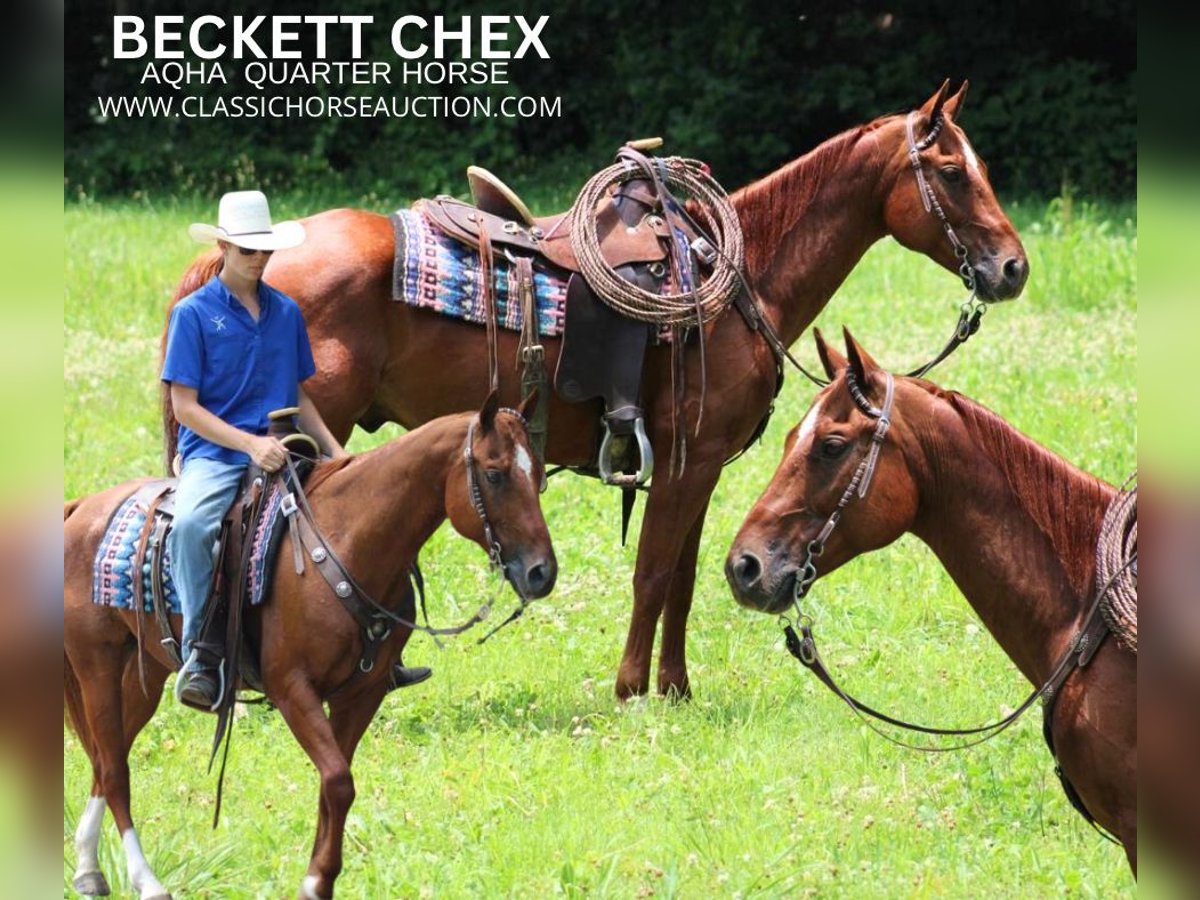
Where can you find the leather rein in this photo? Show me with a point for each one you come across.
(803, 647)
(375, 620)
(970, 314)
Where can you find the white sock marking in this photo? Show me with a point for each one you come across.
(140, 873)
(308, 888)
(87, 836)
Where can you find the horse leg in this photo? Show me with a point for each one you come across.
(350, 718)
(672, 659)
(672, 511)
(301, 708)
(88, 879)
(137, 709)
(104, 706)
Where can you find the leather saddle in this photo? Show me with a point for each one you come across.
(221, 637)
(603, 352)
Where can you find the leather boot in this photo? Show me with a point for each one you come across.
(405, 676)
(199, 682)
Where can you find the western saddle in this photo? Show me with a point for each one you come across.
(603, 350)
(221, 636)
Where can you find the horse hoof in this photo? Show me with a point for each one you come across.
(91, 884)
(676, 693)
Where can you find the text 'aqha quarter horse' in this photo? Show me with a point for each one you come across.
(1044, 552)
(805, 225)
(375, 511)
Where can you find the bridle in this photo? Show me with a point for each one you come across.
(929, 199)
(803, 647)
(970, 312)
(495, 554)
(375, 620)
(859, 484)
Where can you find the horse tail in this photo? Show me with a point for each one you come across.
(73, 704)
(202, 269)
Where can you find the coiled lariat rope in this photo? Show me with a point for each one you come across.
(1116, 566)
(690, 307)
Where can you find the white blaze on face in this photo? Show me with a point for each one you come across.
(807, 427)
(969, 153)
(524, 462)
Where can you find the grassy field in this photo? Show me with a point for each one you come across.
(515, 773)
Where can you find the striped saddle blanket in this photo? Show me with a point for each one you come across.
(434, 271)
(113, 568)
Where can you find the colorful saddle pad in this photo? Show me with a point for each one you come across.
(434, 271)
(113, 575)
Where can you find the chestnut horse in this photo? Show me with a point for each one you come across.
(806, 226)
(375, 510)
(1014, 525)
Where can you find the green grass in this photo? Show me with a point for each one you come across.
(515, 773)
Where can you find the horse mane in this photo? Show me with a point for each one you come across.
(323, 470)
(776, 202)
(326, 469)
(1067, 503)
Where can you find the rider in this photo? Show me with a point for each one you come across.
(237, 349)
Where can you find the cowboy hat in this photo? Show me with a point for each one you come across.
(244, 219)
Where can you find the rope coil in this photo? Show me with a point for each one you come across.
(1116, 567)
(698, 306)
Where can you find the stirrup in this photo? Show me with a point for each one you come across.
(192, 664)
(645, 457)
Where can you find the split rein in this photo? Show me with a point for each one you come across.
(803, 646)
(970, 314)
(375, 620)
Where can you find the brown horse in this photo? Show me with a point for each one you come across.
(806, 226)
(376, 510)
(1014, 525)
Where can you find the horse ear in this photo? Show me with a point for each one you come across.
(933, 106)
(861, 363)
(487, 413)
(833, 361)
(953, 104)
(529, 405)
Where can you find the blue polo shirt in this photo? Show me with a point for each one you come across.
(240, 368)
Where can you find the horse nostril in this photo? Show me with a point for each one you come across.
(1015, 269)
(539, 577)
(747, 570)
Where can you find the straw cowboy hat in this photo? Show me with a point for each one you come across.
(244, 219)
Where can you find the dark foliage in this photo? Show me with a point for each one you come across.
(743, 84)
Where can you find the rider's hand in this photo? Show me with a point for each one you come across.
(267, 452)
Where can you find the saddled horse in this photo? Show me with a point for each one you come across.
(375, 510)
(1016, 527)
(806, 226)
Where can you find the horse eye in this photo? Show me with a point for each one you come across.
(494, 476)
(833, 447)
(951, 174)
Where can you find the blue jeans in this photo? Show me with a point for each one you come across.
(206, 488)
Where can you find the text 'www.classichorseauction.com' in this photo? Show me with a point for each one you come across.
(270, 53)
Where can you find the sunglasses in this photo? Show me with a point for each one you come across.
(246, 251)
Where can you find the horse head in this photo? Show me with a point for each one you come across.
(843, 488)
(495, 498)
(940, 202)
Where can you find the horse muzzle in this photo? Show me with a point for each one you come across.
(762, 587)
(1000, 278)
(533, 578)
